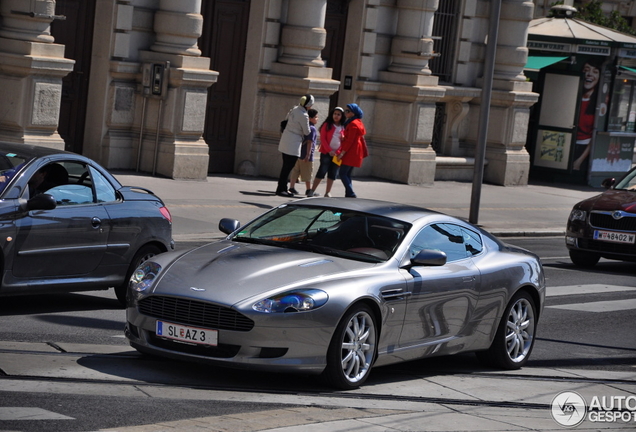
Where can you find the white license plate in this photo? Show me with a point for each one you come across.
(187, 334)
(615, 237)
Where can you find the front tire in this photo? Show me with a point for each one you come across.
(352, 349)
(142, 255)
(514, 340)
(583, 259)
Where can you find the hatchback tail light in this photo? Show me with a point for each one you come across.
(166, 213)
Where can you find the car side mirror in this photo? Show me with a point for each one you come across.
(608, 182)
(429, 257)
(228, 226)
(38, 202)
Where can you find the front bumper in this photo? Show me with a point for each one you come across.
(583, 240)
(289, 347)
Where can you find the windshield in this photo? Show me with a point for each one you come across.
(10, 164)
(628, 182)
(329, 231)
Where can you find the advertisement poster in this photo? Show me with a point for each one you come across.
(612, 154)
(552, 149)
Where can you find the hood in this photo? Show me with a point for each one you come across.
(229, 272)
(611, 200)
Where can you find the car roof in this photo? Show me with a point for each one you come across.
(31, 152)
(403, 212)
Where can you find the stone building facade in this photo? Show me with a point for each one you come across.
(184, 88)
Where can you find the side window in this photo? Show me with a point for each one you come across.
(73, 183)
(447, 238)
(103, 189)
(474, 246)
(48, 177)
(71, 194)
(60, 179)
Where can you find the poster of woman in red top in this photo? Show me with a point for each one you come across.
(585, 127)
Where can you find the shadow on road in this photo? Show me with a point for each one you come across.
(52, 303)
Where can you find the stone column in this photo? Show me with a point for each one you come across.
(512, 51)
(412, 46)
(298, 70)
(508, 160)
(31, 75)
(182, 152)
(303, 36)
(405, 101)
(28, 21)
(178, 25)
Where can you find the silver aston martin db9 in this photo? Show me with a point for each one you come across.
(334, 286)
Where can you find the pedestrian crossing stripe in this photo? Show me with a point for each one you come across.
(29, 413)
(599, 306)
(592, 306)
(585, 289)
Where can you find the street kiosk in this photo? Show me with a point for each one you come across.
(583, 128)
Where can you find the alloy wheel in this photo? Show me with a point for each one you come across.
(520, 330)
(358, 346)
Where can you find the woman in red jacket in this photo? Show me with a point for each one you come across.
(352, 149)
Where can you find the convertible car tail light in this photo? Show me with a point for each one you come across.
(166, 213)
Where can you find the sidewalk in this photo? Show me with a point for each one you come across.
(197, 206)
(452, 394)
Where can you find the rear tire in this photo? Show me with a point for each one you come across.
(352, 349)
(515, 336)
(142, 255)
(584, 259)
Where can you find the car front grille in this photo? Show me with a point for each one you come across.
(194, 313)
(606, 221)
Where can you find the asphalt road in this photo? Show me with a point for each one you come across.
(587, 325)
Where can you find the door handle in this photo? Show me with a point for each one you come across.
(96, 222)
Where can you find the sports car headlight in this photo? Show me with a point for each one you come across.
(577, 214)
(292, 301)
(143, 277)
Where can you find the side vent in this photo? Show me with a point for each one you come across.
(394, 294)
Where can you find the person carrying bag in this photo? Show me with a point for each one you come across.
(296, 129)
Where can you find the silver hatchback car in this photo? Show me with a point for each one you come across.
(334, 286)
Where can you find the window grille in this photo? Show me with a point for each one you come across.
(445, 28)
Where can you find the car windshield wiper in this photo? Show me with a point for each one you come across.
(339, 253)
(251, 240)
(267, 242)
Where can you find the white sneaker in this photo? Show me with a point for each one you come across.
(328, 195)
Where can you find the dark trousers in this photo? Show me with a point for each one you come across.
(288, 164)
(345, 177)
